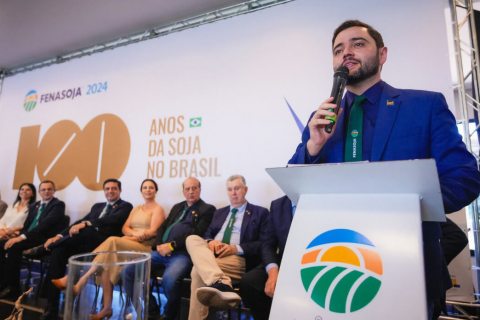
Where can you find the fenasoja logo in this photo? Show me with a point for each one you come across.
(30, 100)
(341, 271)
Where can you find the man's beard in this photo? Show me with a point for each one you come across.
(367, 70)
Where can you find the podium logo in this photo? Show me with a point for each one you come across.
(341, 271)
(98, 152)
(30, 100)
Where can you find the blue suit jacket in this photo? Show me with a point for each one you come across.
(415, 125)
(110, 225)
(280, 219)
(254, 226)
(48, 224)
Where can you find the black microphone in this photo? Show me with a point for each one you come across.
(340, 78)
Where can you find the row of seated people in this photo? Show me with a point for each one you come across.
(217, 247)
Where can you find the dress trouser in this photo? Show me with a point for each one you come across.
(252, 290)
(86, 241)
(10, 266)
(207, 270)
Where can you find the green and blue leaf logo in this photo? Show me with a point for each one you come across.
(195, 122)
(30, 101)
(341, 271)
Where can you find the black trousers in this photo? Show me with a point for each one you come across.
(11, 261)
(252, 290)
(86, 241)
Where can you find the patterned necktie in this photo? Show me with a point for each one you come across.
(167, 232)
(37, 217)
(107, 211)
(353, 142)
(228, 230)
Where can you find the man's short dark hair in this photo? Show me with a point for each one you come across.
(47, 181)
(119, 184)
(357, 23)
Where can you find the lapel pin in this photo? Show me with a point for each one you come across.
(248, 212)
(390, 103)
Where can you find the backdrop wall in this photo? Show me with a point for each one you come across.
(207, 102)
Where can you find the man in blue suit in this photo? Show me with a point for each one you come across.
(380, 123)
(104, 220)
(230, 247)
(258, 285)
(42, 222)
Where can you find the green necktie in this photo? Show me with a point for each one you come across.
(167, 232)
(228, 230)
(37, 217)
(353, 143)
(107, 211)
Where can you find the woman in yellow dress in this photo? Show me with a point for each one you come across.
(139, 232)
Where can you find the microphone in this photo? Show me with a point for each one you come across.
(340, 78)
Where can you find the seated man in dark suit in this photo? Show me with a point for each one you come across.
(230, 247)
(192, 216)
(42, 222)
(258, 286)
(105, 220)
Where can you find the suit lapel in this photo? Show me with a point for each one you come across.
(32, 214)
(219, 219)
(102, 207)
(246, 221)
(49, 204)
(387, 113)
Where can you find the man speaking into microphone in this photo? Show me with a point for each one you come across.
(377, 122)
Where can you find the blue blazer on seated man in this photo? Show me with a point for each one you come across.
(109, 225)
(104, 220)
(231, 245)
(254, 286)
(250, 232)
(43, 221)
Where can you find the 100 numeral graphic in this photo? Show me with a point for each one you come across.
(98, 152)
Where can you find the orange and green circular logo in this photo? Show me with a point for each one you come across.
(342, 271)
(30, 100)
(354, 133)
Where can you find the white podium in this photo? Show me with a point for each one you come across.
(355, 248)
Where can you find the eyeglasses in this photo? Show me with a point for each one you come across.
(190, 188)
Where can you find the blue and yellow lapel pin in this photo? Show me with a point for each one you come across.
(390, 103)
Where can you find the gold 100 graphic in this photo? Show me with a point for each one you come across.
(98, 152)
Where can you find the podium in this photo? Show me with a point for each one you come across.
(355, 248)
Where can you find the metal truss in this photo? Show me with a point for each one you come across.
(462, 15)
(224, 13)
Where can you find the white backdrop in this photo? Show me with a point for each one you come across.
(234, 74)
